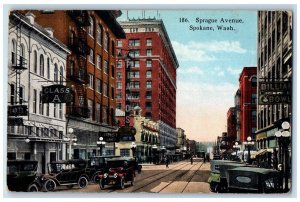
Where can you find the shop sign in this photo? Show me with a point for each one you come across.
(17, 110)
(127, 129)
(125, 137)
(276, 86)
(15, 122)
(57, 94)
(272, 99)
(109, 136)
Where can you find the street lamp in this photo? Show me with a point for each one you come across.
(72, 139)
(133, 148)
(283, 137)
(27, 140)
(101, 144)
(163, 149)
(236, 147)
(249, 144)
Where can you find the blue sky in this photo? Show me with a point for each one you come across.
(210, 63)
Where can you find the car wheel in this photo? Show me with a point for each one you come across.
(96, 178)
(101, 183)
(82, 182)
(122, 183)
(49, 185)
(33, 188)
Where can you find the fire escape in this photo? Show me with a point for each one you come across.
(78, 74)
(17, 109)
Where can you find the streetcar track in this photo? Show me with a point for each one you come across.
(155, 180)
(179, 176)
(190, 179)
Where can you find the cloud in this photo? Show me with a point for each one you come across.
(204, 51)
(234, 71)
(191, 70)
(186, 53)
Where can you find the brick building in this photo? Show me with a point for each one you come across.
(150, 76)
(231, 126)
(91, 36)
(248, 101)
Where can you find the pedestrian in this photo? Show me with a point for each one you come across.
(167, 162)
(204, 159)
(191, 160)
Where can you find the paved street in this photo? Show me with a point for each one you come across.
(180, 177)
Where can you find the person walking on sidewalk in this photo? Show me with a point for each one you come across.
(191, 160)
(167, 162)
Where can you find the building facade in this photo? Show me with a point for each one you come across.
(248, 101)
(91, 36)
(36, 60)
(231, 126)
(181, 143)
(275, 62)
(146, 76)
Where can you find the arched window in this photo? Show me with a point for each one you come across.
(22, 55)
(13, 52)
(55, 73)
(61, 75)
(41, 65)
(91, 27)
(99, 34)
(106, 42)
(35, 62)
(71, 68)
(254, 81)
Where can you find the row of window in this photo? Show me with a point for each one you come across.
(100, 110)
(100, 86)
(35, 131)
(134, 85)
(134, 74)
(135, 63)
(38, 61)
(134, 95)
(135, 42)
(102, 37)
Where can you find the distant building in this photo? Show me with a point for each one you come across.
(181, 142)
(248, 101)
(237, 107)
(231, 126)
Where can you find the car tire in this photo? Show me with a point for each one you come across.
(49, 185)
(122, 183)
(82, 182)
(96, 178)
(33, 188)
(101, 183)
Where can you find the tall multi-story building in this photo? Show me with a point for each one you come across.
(36, 60)
(248, 101)
(231, 126)
(147, 76)
(91, 35)
(237, 106)
(274, 71)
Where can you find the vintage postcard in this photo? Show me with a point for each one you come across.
(149, 101)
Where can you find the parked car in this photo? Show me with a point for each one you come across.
(97, 164)
(120, 171)
(22, 176)
(67, 173)
(253, 180)
(217, 179)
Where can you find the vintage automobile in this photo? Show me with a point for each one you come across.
(67, 173)
(22, 176)
(217, 179)
(97, 164)
(120, 171)
(253, 180)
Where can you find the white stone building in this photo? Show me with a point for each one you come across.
(44, 57)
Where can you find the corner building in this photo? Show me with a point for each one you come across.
(152, 75)
(91, 35)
